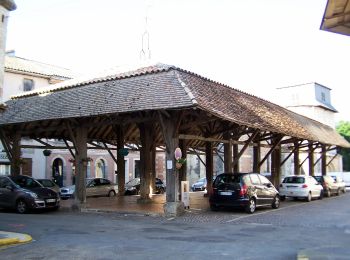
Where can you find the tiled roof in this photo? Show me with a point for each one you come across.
(17, 64)
(163, 87)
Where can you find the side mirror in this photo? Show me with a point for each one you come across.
(9, 187)
(269, 185)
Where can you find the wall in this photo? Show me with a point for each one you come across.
(13, 84)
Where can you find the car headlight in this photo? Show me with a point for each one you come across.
(32, 194)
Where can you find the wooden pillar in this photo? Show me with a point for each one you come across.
(120, 160)
(16, 155)
(296, 158)
(209, 166)
(257, 157)
(227, 153)
(153, 168)
(145, 161)
(183, 170)
(323, 159)
(235, 158)
(311, 160)
(276, 166)
(169, 125)
(81, 164)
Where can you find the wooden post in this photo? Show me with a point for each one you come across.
(153, 168)
(228, 158)
(145, 161)
(311, 160)
(209, 166)
(81, 162)
(235, 159)
(120, 161)
(296, 158)
(16, 155)
(323, 159)
(183, 170)
(257, 157)
(170, 125)
(276, 165)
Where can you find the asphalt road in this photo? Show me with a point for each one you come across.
(319, 228)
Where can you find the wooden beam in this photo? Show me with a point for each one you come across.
(271, 150)
(330, 161)
(69, 148)
(244, 148)
(6, 144)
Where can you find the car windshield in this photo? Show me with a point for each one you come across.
(46, 183)
(294, 179)
(26, 182)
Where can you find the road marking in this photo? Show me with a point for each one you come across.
(272, 211)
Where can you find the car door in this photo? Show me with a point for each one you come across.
(268, 190)
(259, 189)
(315, 187)
(7, 195)
(91, 188)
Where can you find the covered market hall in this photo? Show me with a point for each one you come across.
(161, 107)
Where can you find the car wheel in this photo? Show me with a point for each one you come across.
(161, 191)
(250, 208)
(276, 202)
(321, 195)
(328, 193)
(338, 192)
(344, 190)
(21, 206)
(283, 198)
(111, 193)
(309, 197)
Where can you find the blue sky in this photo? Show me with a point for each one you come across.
(252, 45)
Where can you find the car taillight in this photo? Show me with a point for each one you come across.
(243, 190)
(304, 186)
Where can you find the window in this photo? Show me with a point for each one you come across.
(28, 84)
(323, 96)
(255, 179)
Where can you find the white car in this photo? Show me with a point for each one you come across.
(299, 186)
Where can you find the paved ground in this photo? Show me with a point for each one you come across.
(318, 229)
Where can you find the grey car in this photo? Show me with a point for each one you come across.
(24, 193)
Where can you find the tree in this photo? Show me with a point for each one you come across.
(343, 128)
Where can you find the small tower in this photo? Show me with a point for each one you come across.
(5, 7)
(311, 99)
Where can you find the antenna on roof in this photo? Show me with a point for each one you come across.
(145, 53)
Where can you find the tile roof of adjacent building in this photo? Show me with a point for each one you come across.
(22, 65)
(162, 86)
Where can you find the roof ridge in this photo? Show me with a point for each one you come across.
(187, 90)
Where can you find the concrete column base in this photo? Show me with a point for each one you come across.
(77, 206)
(174, 209)
(144, 200)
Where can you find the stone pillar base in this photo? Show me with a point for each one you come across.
(77, 206)
(174, 209)
(144, 200)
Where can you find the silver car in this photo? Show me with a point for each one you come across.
(94, 187)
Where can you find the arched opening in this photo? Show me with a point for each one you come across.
(100, 171)
(57, 171)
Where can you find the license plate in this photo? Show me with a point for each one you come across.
(50, 200)
(226, 193)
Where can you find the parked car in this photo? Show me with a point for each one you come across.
(297, 186)
(245, 190)
(340, 183)
(24, 193)
(94, 187)
(199, 185)
(49, 184)
(328, 184)
(132, 187)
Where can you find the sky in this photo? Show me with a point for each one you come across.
(252, 45)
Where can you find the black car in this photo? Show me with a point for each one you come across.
(245, 190)
(24, 193)
(133, 187)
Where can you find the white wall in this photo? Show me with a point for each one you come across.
(13, 84)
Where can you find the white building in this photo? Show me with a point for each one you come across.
(312, 100)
